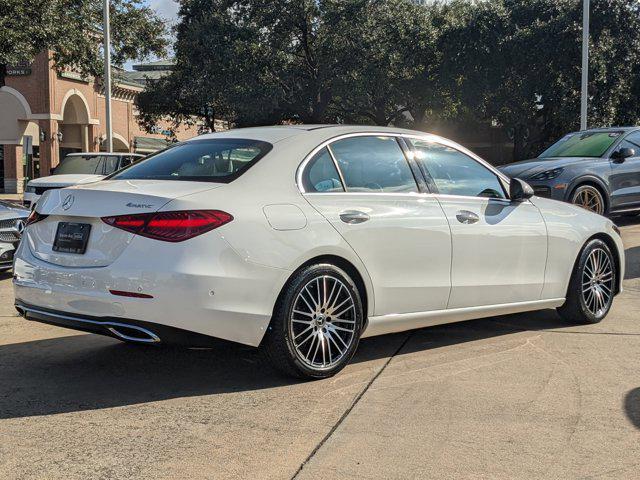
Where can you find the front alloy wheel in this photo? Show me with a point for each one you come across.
(589, 198)
(317, 323)
(592, 286)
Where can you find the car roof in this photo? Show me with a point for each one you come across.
(113, 154)
(277, 133)
(611, 129)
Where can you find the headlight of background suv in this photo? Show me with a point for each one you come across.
(548, 175)
(30, 189)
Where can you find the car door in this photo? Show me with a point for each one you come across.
(366, 188)
(499, 247)
(624, 179)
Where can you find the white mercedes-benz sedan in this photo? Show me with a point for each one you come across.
(303, 239)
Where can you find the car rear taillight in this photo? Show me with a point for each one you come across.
(170, 226)
(34, 217)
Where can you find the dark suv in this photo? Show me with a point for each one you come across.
(598, 169)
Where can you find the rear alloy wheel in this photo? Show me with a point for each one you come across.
(592, 286)
(589, 198)
(317, 324)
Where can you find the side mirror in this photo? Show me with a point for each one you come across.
(620, 155)
(519, 190)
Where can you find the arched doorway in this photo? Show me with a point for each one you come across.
(119, 143)
(74, 127)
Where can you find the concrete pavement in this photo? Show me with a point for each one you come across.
(520, 396)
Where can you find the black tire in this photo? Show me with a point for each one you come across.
(590, 198)
(283, 344)
(582, 307)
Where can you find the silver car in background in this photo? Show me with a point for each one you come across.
(12, 221)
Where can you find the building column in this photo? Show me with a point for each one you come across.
(48, 148)
(13, 169)
(92, 146)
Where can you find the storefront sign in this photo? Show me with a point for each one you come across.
(20, 69)
(73, 76)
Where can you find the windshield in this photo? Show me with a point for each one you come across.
(87, 164)
(582, 144)
(211, 160)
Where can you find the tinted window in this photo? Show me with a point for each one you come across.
(126, 161)
(582, 144)
(373, 164)
(110, 165)
(631, 141)
(455, 173)
(214, 160)
(85, 164)
(321, 175)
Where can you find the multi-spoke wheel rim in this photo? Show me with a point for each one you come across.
(597, 282)
(323, 322)
(590, 199)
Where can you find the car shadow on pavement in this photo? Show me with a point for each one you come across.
(87, 372)
(632, 406)
(632, 263)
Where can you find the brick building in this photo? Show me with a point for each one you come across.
(45, 114)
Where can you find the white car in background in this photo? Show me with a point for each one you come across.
(78, 169)
(303, 239)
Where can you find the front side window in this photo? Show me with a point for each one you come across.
(212, 160)
(632, 141)
(321, 174)
(582, 144)
(455, 173)
(373, 164)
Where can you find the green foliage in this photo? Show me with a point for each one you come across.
(513, 63)
(72, 30)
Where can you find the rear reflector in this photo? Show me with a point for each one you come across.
(170, 226)
(122, 293)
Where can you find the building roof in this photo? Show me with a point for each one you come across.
(143, 72)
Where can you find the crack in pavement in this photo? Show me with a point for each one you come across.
(351, 406)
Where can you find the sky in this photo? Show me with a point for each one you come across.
(167, 9)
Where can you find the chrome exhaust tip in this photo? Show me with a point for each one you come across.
(119, 329)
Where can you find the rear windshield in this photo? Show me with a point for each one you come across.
(212, 160)
(98, 164)
(582, 144)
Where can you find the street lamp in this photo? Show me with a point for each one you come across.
(585, 64)
(107, 75)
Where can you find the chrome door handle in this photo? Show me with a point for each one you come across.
(353, 216)
(467, 217)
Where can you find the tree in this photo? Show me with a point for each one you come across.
(518, 64)
(295, 61)
(71, 29)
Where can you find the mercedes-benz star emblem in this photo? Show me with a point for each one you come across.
(66, 205)
(20, 226)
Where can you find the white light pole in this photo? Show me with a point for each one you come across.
(107, 75)
(585, 64)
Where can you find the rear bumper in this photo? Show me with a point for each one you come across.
(121, 328)
(206, 289)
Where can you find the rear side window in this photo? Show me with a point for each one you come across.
(211, 160)
(373, 164)
(110, 165)
(321, 174)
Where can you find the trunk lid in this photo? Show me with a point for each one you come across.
(88, 203)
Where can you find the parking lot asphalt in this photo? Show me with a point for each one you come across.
(519, 396)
